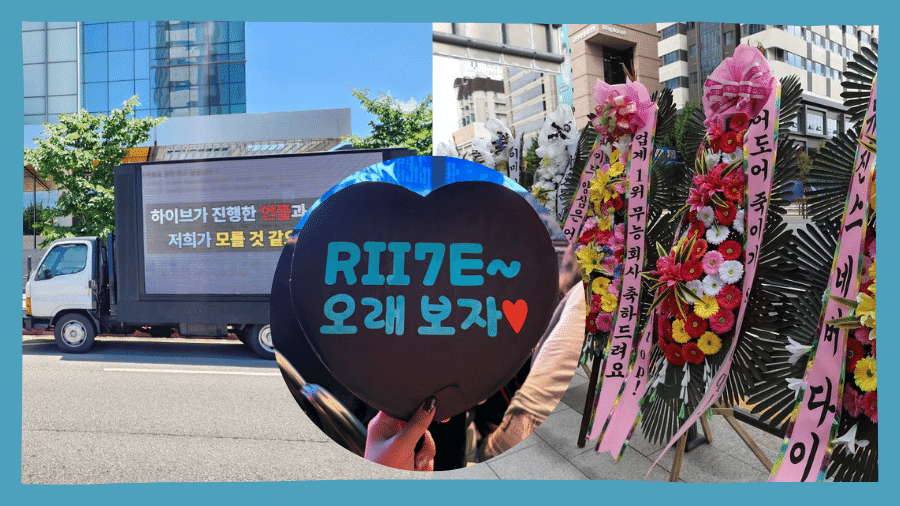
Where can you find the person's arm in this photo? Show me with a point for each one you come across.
(392, 442)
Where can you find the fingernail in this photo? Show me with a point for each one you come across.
(429, 404)
(421, 463)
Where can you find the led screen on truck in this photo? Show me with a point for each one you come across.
(218, 226)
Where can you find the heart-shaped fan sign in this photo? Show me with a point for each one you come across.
(404, 296)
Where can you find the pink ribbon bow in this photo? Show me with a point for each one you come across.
(741, 84)
(628, 105)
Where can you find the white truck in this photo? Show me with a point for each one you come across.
(195, 249)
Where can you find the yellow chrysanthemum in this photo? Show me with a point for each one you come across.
(609, 302)
(865, 376)
(615, 170)
(872, 271)
(600, 286)
(678, 332)
(709, 343)
(589, 259)
(865, 310)
(707, 307)
(615, 155)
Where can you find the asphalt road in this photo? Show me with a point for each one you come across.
(147, 410)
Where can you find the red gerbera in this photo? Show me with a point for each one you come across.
(699, 249)
(733, 189)
(591, 323)
(725, 214)
(851, 401)
(616, 202)
(729, 297)
(588, 236)
(596, 302)
(738, 121)
(728, 142)
(870, 405)
(674, 354)
(667, 307)
(664, 328)
(695, 326)
(854, 353)
(730, 250)
(722, 321)
(692, 353)
(691, 270)
(697, 228)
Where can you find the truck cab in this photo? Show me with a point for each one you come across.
(63, 292)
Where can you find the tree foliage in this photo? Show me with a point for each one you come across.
(78, 153)
(532, 162)
(33, 216)
(393, 127)
(675, 138)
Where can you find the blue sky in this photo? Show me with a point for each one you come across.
(303, 66)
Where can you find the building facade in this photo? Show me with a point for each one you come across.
(177, 68)
(817, 55)
(533, 98)
(611, 52)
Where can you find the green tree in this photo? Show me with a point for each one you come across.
(394, 128)
(532, 162)
(805, 161)
(78, 153)
(32, 218)
(675, 138)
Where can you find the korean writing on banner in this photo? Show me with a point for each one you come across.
(221, 226)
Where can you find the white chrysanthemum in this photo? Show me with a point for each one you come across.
(712, 285)
(712, 159)
(706, 215)
(556, 135)
(731, 157)
(481, 153)
(738, 224)
(731, 271)
(695, 286)
(445, 149)
(716, 234)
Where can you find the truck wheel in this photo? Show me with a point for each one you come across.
(156, 331)
(259, 339)
(74, 333)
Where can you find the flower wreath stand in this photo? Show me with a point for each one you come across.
(608, 223)
(716, 276)
(832, 431)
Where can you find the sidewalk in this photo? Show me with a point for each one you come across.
(551, 453)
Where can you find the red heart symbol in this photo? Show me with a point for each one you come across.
(515, 313)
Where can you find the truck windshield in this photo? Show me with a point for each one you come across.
(63, 259)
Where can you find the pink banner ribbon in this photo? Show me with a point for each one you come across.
(816, 416)
(581, 202)
(618, 349)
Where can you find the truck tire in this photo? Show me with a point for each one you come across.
(259, 339)
(156, 331)
(74, 333)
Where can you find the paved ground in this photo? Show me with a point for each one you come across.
(551, 453)
(149, 410)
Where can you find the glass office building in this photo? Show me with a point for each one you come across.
(177, 68)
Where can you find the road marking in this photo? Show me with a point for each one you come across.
(189, 371)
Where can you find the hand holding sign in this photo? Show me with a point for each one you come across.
(404, 296)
